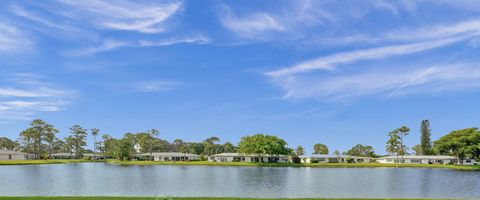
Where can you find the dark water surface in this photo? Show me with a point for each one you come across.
(91, 179)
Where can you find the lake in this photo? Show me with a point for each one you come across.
(94, 179)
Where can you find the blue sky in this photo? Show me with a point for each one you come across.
(334, 72)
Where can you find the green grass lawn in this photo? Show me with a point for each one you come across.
(39, 162)
(325, 165)
(242, 164)
(168, 198)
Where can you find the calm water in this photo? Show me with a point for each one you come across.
(103, 179)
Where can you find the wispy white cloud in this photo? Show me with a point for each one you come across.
(156, 86)
(111, 44)
(332, 61)
(302, 81)
(252, 26)
(384, 82)
(30, 96)
(22, 12)
(139, 16)
(14, 40)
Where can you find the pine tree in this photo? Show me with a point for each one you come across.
(426, 145)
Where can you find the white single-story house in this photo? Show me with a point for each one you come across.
(15, 155)
(412, 159)
(63, 156)
(237, 157)
(323, 158)
(469, 162)
(169, 156)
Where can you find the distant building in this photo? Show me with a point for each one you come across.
(321, 158)
(66, 156)
(411, 159)
(15, 155)
(63, 156)
(168, 156)
(237, 157)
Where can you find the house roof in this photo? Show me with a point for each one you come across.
(63, 154)
(419, 157)
(331, 156)
(9, 152)
(165, 154)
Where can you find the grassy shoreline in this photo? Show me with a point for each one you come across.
(41, 162)
(245, 164)
(317, 165)
(185, 198)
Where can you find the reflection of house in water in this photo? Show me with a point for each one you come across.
(237, 157)
(168, 156)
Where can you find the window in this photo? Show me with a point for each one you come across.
(9, 156)
(415, 161)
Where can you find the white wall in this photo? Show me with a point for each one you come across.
(14, 157)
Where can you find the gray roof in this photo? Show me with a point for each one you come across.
(63, 154)
(331, 156)
(418, 157)
(167, 154)
(9, 152)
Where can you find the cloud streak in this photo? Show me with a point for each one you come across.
(252, 26)
(327, 77)
(387, 83)
(156, 86)
(13, 40)
(138, 16)
(30, 96)
(112, 44)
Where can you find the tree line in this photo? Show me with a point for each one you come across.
(41, 139)
(462, 144)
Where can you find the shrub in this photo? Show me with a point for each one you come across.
(296, 160)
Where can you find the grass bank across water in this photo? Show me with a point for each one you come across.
(174, 198)
(39, 162)
(319, 165)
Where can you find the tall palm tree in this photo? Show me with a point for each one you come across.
(403, 131)
(95, 132)
(153, 133)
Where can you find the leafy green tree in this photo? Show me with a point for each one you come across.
(418, 150)
(108, 145)
(77, 139)
(261, 144)
(403, 131)
(210, 146)
(299, 151)
(27, 140)
(8, 144)
(34, 136)
(426, 145)
(50, 138)
(462, 144)
(177, 144)
(320, 149)
(196, 147)
(393, 143)
(153, 133)
(123, 148)
(229, 148)
(70, 144)
(360, 150)
(336, 152)
(95, 132)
